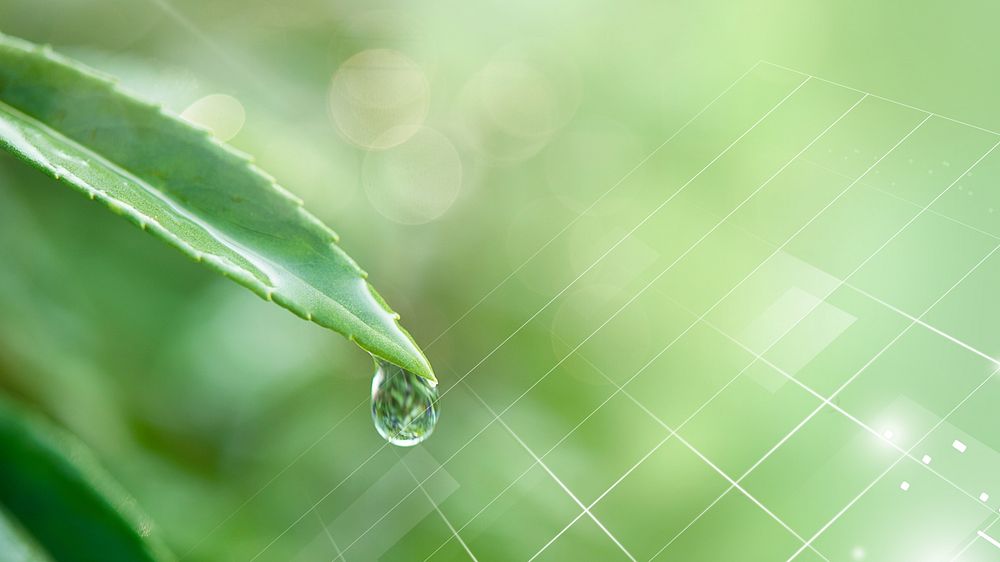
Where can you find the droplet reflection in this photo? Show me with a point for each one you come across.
(404, 405)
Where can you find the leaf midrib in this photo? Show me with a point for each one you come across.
(266, 288)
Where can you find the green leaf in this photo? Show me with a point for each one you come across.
(16, 545)
(193, 192)
(52, 484)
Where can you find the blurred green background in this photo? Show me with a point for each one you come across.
(754, 254)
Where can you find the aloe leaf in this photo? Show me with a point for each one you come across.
(16, 545)
(182, 185)
(53, 486)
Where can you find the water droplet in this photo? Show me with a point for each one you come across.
(404, 405)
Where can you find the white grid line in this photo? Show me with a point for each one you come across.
(876, 96)
(972, 541)
(924, 324)
(903, 200)
(672, 433)
(502, 492)
(748, 276)
(340, 555)
(642, 369)
(826, 402)
(326, 495)
(728, 478)
(776, 252)
(703, 316)
(545, 467)
(556, 296)
(988, 538)
(840, 283)
(913, 320)
(893, 465)
(885, 304)
(590, 207)
(632, 231)
(529, 469)
(434, 504)
(277, 475)
(918, 320)
(760, 357)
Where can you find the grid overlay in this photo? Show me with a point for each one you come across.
(735, 483)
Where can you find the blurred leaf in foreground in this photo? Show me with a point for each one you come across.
(53, 485)
(16, 545)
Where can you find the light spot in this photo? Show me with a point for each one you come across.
(379, 98)
(858, 553)
(959, 446)
(887, 434)
(904, 485)
(926, 459)
(414, 182)
(984, 497)
(220, 113)
(511, 108)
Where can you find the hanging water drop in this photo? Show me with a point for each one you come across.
(404, 405)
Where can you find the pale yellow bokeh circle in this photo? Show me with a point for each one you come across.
(379, 98)
(220, 113)
(414, 182)
(511, 107)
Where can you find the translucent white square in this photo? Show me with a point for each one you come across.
(887, 434)
(984, 497)
(904, 486)
(791, 308)
(959, 446)
(926, 459)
